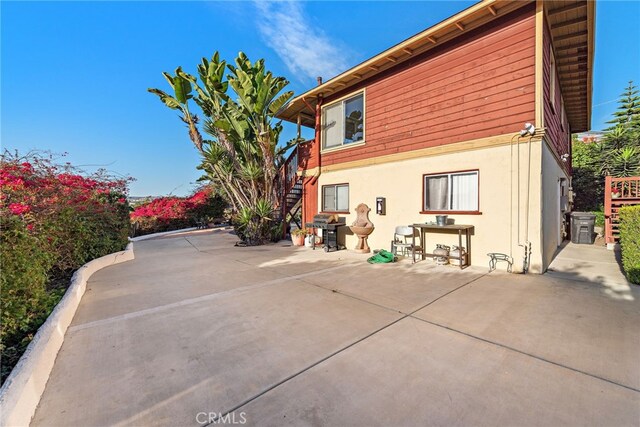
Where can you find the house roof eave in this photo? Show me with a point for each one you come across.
(452, 27)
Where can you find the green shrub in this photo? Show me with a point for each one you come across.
(53, 219)
(25, 302)
(587, 181)
(174, 213)
(630, 242)
(77, 237)
(599, 217)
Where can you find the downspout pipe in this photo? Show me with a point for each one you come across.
(318, 129)
(527, 249)
(318, 137)
(511, 192)
(529, 130)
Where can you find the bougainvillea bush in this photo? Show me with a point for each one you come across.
(174, 213)
(53, 219)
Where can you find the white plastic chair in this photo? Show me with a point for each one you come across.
(402, 239)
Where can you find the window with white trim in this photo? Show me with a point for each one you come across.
(335, 198)
(455, 191)
(343, 122)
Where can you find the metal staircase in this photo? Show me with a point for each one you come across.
(292, 190)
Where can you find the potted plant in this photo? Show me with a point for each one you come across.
(615, 192)
(297, 236)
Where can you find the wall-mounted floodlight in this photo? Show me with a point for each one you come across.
(528, 129)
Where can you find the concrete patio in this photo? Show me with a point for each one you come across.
(195, 328)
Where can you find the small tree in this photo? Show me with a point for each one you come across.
(628, 113)
(587, 179)
(621, 162)
(620, 155)
(243, 157)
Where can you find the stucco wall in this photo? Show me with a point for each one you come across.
(497, 229)
(551, 175)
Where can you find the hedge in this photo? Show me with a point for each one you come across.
(630, 242)
(53, 219)
(173, 213)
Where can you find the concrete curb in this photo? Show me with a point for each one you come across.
(21, 392)
(182, 230)
(164, 233)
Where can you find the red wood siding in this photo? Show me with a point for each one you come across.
(477, 86)
(309, 199)
(557, 131)
(308, 155)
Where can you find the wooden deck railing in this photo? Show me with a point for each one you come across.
(618, 192)
(290, 170)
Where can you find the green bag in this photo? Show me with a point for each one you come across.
(382, 257)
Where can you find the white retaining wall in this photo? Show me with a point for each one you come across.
(21, 392)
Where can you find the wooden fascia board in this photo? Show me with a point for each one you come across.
(539, 65)
(591, 25)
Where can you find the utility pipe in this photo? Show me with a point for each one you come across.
(527, 259)
(531, 130)
(511, 192)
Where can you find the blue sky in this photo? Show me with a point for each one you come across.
(75, 74)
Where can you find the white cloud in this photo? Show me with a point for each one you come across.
(305, 49)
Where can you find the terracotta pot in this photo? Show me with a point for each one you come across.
(297, 240)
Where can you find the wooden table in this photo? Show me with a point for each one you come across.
(460, 228)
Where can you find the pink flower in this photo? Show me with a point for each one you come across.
(122, 200)
(18, 208)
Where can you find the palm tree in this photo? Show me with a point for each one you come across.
(243, 157)
(620, 163)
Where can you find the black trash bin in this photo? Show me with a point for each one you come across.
(582, 228)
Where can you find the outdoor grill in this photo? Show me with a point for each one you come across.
(329, 225)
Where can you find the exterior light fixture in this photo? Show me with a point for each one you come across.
(381, 205)
(528, 129)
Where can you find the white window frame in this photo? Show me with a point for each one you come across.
(335, 207)
(342, 101)
(449, 176)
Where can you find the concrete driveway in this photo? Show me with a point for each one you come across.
(195, 331)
